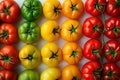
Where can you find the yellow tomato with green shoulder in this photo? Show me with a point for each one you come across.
(51, 54)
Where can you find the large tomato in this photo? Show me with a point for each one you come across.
(73, 9)
(113, 8)
(9, 57)
(9, 11)
(92, 49)
(91, 71)
(112, 51)
(92, 27)
(95, 7)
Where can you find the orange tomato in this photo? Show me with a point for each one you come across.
(73, 9)
(72, 52)
(71, 30)
(71, 72)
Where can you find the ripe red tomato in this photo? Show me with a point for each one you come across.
(95, 7)
(113, 28)
(92, 49)
(92, 27)
(112, 51)
(9, 57)
(113, 8)
(91, 71)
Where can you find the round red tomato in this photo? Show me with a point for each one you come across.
(113, 8)
(113, 28)
(112, 51)
(9, 57)
(95, 7)
(9, 11)
(92, 49)
(93, 27)
(91, 71)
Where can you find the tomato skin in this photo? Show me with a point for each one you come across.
(9, 57)
(92, 49)
(9, 11)
(112, 51)
(89, 70)
(8, 33)
(95, 7)
(113, 8)
(111, 72)
(92, 27)
(8, 75)
(113, 28)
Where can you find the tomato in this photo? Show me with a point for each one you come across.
(92, 49)
(28, 74)
(8, 75)
(111, 72)
(31, 9)
(72, 52)
(50, 74)
(54, 9)
(95, 7)
(112, 51)
(71, 30)
(73, 9)
(50, 31)
(92, 27)
(29, 32)
(9, 57)
(113, 28)
(8, 33)
(91, 71)
(113, 8)
(71, 72)
(9, 11)
(51, 54)
(29, 56)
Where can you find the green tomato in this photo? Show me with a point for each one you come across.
(28, 75)
(31, 9)
(28, 32)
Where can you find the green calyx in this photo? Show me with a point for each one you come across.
(73, 7)
(57, 10)
(4, 34)
(29, 31)
(96, 28)
(73, 29)
(118, 3)
(30, 56)
(74, 53)
(110, 74)
(7, 58)
(97, 73)
(113, 52)
(7, 11)
(75, 78)
(55, 31)
(116, 30)
(54, 55)
(95, 51)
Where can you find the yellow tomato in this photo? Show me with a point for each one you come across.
(71, 30)
(50, 74)
(52, 9)
(30, 56)
(51, 54)
(50, 31)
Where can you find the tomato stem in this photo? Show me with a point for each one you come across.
(74, 53)
(4, 34)
(75, 78)
(118, 3)
(54, 55)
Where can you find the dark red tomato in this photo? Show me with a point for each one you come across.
(9, 11)
(113, 8)
(92, 49)
(93, 27)
(112, 51)
(111, 72)
(8, 33)
(95, 7)
(9, 57)
(8, 75)
(113, 28)
(91, 71)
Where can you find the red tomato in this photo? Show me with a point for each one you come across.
(7, 75)
(8, 33)
(92, 49)
(9, 57)
(113, 8)
(111, 72)
(91, 71)
(112, 51)
(95, 7)
(113, 28)
(93, 27)
(9, 11)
